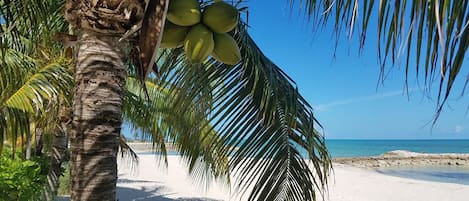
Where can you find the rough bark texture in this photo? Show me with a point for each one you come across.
(56, 158)
(100, 78)
(107, 17)
(29, 145)
(57, 153)
(97, 117)
(39, 142)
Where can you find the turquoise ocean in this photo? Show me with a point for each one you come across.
(363, 148)
(359, 148)
(366, 148)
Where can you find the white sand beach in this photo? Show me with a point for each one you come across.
(151, 181)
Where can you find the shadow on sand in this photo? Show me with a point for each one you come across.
(149, 193)
(154, 194)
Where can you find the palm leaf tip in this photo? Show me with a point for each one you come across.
(262, 120)
(189, 134)
(430, 37)
(288, 132)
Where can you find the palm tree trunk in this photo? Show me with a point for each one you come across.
(57, 153)
(39, 142)
(97, 108)
(29, 145)
(1, 143)
(13, 147)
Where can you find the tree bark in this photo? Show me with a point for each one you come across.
(1, 143)
(39, 142)
(29, 145)
(13, 147)
(57, 153)
(97, 117)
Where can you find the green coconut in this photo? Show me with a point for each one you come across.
(184, 12)
(226, 49)
(173, 35)
(220, 17)
(198, 43)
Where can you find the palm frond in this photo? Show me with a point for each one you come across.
(14, 68)
(127, 153)
(33, 19)
(48, 83)
(13, 123)
(267, 127)
(156, 122)
(145, 116)
(28, 89)
(431, 37)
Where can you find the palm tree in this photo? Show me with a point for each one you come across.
(29, 87)
(35, 86)
(253, 106)
(260, 109)
(51, 113)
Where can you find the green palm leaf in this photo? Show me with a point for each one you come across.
(31, 98)
(33, 19)
(27, 87)
(157, 123)
(431, 37)
(50, 81)
(259, 115)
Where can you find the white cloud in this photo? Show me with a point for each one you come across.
(362, 99)
(459, 129)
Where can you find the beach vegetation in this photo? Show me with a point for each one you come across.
(35, 85)
(21, 179)
(251, 111)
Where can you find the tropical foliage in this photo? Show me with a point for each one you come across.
(33, 71)
(35, 86)
(251, 111)
(29, 88)
(155, 121)
(270, 129)
(21, 179)
(427, 37)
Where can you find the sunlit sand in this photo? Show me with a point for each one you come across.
(153, 181)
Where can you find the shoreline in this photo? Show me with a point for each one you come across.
(151, 180)
(399, 158)
(394, 158)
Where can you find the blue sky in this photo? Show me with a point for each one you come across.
(343, 90)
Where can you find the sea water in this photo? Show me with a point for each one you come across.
(364, 148)
(360, 148)
(456, 175)
(367, 148)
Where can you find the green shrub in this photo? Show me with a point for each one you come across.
(21, 179)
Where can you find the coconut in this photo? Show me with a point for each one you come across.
(199, 43)
(173, 35)
(184, 12)
(226, 49)
(220, 17)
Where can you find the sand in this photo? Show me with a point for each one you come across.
(152, 181)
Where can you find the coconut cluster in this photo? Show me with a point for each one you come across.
(202, 31)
